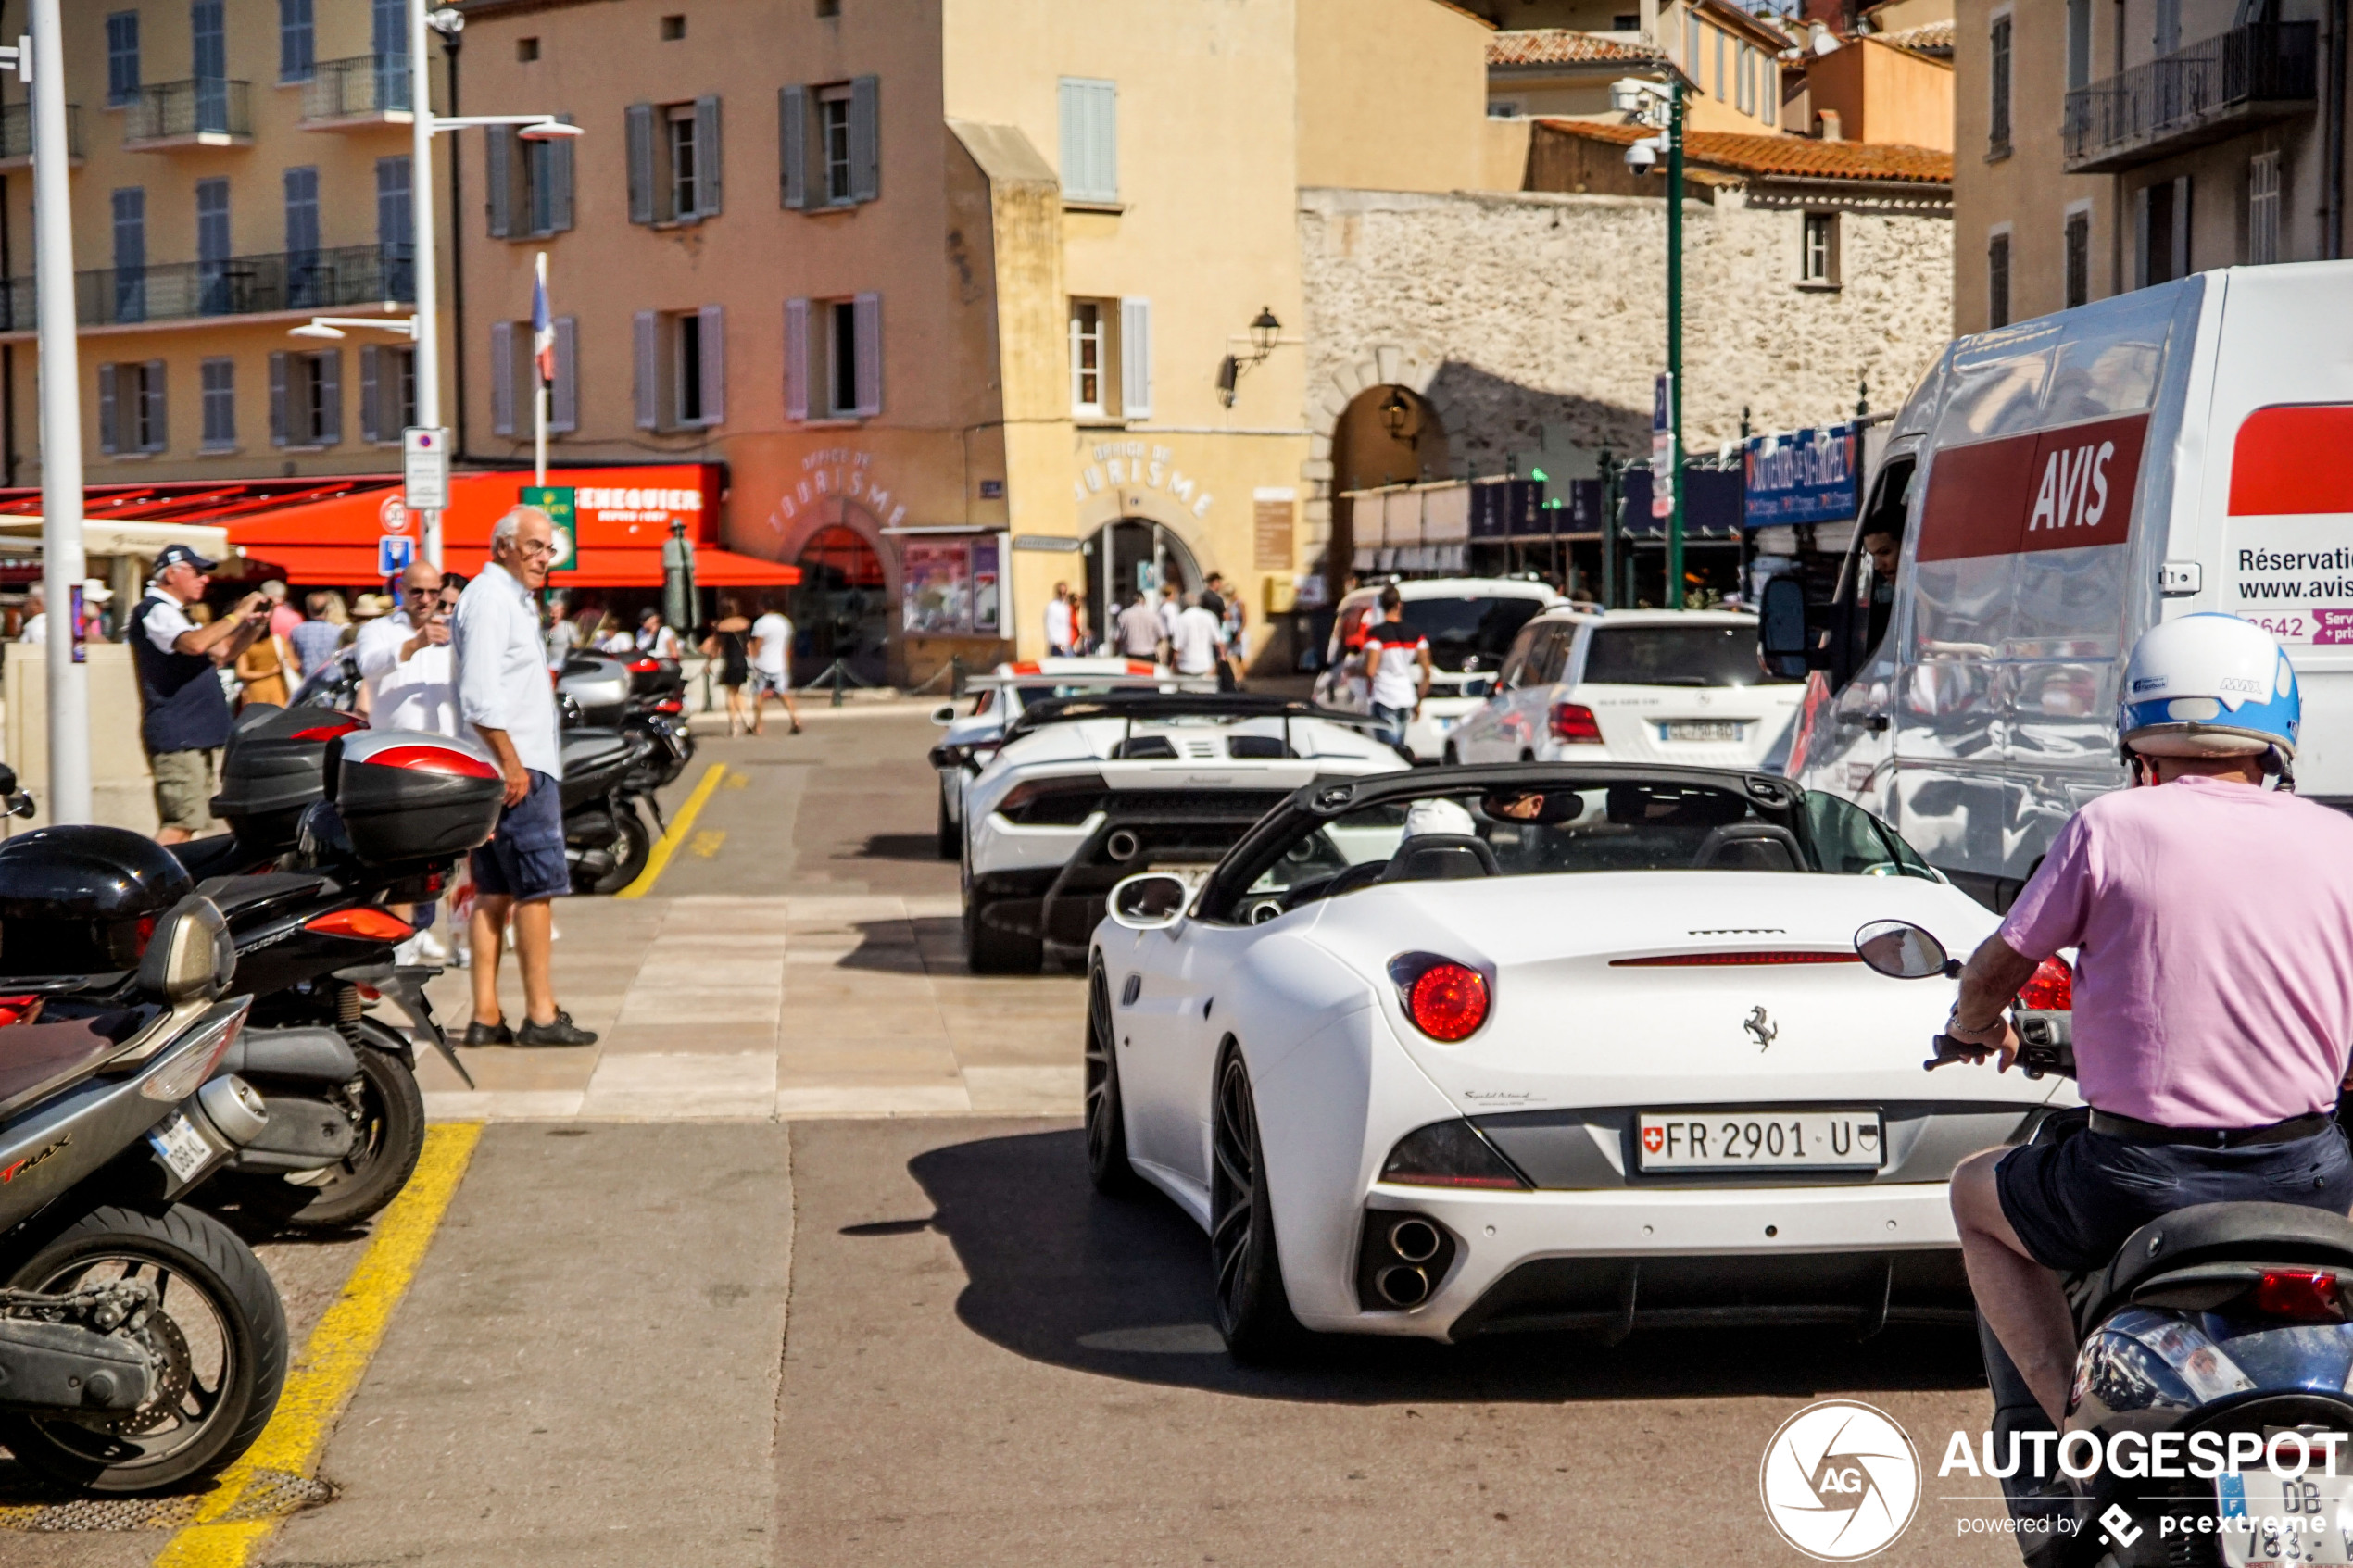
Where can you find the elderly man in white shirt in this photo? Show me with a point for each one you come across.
(504, 693)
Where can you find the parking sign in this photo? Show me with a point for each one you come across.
(395, 554)
(424, 468)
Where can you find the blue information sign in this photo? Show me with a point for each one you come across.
(395, 554)
(1810, 476)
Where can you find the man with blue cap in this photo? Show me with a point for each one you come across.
(184, 720)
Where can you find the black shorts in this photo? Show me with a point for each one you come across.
(524, 860)
(2074, 1199)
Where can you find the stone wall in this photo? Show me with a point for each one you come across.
(1513, 313)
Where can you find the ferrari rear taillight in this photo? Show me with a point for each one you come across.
(1574, 724)
(1449, 1154)
(365, 924)
(2298, 1295)
(1722, 960)
(2052, 988)
(1446, 1000)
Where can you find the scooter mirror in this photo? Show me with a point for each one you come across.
(1901, 950)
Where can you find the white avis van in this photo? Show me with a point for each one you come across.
(2061, 485)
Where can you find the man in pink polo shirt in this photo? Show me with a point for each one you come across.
(2213, 994)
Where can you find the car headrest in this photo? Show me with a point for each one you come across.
(1440, 856)
(1748, 847)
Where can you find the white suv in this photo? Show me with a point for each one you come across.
(1471, 623)
(1631, 686)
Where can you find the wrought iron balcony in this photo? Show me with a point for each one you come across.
(16, 134)
(208, 112)
(2242, 79)
(364, 90)
(243, 286)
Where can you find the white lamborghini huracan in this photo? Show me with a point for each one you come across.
(1541, 1045)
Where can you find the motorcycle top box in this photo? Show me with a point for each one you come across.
(274, 768)
(599, 683)
(82, 900)
(405, 795)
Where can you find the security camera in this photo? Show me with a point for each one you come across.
(1631, 95)
(447, 20)
(1640, 157)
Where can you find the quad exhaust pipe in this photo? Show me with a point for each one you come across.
(1123, 844)
(1401, 1285)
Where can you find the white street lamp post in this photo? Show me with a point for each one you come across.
(61, 559)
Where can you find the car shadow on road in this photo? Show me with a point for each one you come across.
(1062, 1275)
(921, 847)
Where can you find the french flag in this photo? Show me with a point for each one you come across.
(543, 334)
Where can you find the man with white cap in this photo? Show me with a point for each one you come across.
(184, 720)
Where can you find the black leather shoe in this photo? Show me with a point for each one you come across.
(489, 1033)
(561, 1031)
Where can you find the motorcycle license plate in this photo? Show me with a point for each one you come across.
(2269, 1518)
(1743, 1140)
(1702, 729)
(180, 1147)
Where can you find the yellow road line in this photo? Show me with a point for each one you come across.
(677, 836)
(337, 1356)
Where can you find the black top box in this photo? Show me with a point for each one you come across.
(276, 766)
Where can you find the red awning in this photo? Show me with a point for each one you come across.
(309, 565)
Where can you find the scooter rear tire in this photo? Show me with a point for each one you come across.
(390, 1137)
(244, 1331)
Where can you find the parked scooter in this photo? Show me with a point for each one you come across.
(2222, 1325)
(142, 1343)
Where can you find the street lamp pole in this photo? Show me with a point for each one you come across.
(61, 559)
(421, 203)
(1675, 336)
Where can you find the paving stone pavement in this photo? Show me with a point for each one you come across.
(734, 1006)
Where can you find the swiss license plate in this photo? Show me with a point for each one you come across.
(2268, 1518)
(1742, 1141)
(1701, 728)
(182, 1147)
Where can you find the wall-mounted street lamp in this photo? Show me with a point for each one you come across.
(1265, 336)
(331, 327)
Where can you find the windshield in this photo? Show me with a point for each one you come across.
(1674, 656)
(1659, 824)
(1470, 628)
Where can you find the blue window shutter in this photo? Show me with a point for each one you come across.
(707, 159)
(865, 138)
(641, 163)
(792, 146)
(109, 419)
(498, 150)
(277, 399)
(796, 358)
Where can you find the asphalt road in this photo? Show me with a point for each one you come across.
(923, 1339)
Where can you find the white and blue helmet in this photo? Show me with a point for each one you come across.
(2209, 685)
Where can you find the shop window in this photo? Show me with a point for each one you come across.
(306, 398)
(829, 144)
(681, 369)
(673, 161)
(130, 408)
(833, 357)
(220, 384)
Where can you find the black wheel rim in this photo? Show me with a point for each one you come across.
(1232, 1182)
(201, 1366)
(1102, 1090)
(367, 1142)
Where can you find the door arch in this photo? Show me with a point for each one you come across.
(841, 608)
(1133, 554)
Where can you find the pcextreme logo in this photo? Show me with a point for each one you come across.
(1841, 1481)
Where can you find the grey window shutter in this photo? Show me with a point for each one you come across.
(330, 397)
(110, 420)
(796, 358)
(2181, 238)
(865, 138)
(792, 144)
(1136, 358)
(369, 394)
(708, 161)
(559, 182)
(641, 163)
(498, 147)
(563, 399)
(502, 378)
(648, 370)
(715, 364)
(277, 400)
(151, 391)
(866, 314)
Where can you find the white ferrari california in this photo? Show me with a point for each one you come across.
(1086, 791)
(1539, 1046)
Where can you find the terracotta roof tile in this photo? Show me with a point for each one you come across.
(1929, 37)
(1788, 157)
(1563, 46)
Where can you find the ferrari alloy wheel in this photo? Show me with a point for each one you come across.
(1253, 1313)
(1107, 1164)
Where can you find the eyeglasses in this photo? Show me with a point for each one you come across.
(535, 547)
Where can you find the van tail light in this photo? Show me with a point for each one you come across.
(2298, 1295)
(340, 725)
(432, 759)
(2050, 989)
(1574, 724)
(363, 925)
(1446, 1000)
(1450, 1154)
